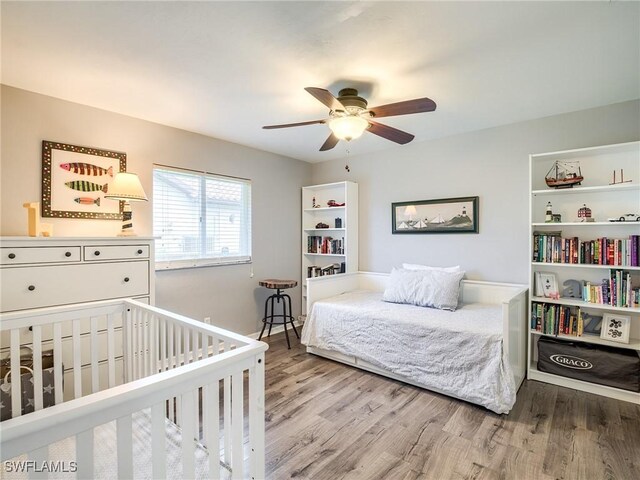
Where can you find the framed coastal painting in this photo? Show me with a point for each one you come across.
(75, 180)
(445, 215)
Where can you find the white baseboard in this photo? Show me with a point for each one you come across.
(275, 329)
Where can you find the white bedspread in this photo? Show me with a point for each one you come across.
(458, 353)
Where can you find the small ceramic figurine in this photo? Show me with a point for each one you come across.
(548, 216)
(584, 214)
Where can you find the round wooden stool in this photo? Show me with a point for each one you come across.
(270, 318)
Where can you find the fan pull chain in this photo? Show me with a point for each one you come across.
(346, 166)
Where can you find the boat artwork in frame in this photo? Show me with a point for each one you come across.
(75, 180)
(445, 215)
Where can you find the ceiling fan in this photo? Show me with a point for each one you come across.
(349, 116)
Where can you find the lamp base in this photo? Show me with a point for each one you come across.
(127, 233)
(127, 221)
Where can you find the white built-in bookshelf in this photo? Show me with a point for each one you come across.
(605, 201)
(337, 244)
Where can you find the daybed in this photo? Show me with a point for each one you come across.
(152, 410)
(476, 353)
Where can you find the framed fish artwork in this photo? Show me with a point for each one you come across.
(75, 180)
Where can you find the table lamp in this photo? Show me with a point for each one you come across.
(126, 187)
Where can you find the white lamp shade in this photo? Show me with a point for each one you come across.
(126, 186)
(349, 127)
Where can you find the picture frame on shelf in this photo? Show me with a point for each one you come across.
(616, 328)
(547, 285)
(444, 215)
(75, 180)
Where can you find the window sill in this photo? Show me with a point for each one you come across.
(183, 265)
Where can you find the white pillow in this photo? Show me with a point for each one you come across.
(413, 266)
(425, 288)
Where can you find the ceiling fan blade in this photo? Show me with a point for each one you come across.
(326, 97)
(299, 124)
(390, 133)
(329, 143)
(417, 105)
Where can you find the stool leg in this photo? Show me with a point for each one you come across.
(284, 321)
(271, 316)
(264, 319)
(291, 316)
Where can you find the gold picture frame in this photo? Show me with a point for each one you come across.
(75, 180)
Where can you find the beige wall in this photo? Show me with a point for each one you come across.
(492, 164)
(227, 294)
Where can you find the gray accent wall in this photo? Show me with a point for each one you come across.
(492, 164)
(228, 294)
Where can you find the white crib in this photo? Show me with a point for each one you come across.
(178, 381)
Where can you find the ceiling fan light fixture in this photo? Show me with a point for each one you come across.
(348, 127)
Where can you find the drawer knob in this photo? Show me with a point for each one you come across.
(139, 251)
(12, 256)
(126, 279)
(96, 253)
(67, 254)
(31, 288)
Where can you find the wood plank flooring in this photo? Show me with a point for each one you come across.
(325, 420)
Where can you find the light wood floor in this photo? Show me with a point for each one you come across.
(326, 420)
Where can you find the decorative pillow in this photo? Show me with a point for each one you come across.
(413, 266)
(425, 288)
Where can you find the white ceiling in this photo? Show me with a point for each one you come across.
(224, 69)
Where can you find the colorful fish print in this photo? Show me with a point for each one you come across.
(84, 186)
(86, 169)
(87, 201)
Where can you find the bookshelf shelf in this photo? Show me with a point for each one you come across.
(621, 187)
(344, 238)
(586, 224)
(324, 209)
(597, 165)
(583, 265)
(634, 343)
(572, 302)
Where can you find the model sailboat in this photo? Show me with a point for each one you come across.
(564, 175)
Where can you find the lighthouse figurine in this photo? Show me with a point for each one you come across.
(548, 216)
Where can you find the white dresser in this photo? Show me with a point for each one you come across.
(43, 272)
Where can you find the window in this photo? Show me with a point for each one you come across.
(200, 219)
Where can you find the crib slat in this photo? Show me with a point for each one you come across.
(77, 360)
(57, 362)
(163, 343)
(158, 442)
(139, 347)
(171, 347)
(84, 454)
(178, 345)
(128, 345)
(189, 407)
(226, 392)
(39, 456)
(146, 367)
(237, 424)
(154, 344)
(16, 386)
(187, 347)
(37, 367)
(256, 418)
(124, 447)
(111, 351)
(95, 375)
(211, 407)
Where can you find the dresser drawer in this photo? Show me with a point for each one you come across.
(36, 287)
(20, 255)
(116, 252)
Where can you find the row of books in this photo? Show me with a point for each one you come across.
(326, 245)
(556, 319)
(616, 291)
(551, 247)
(331, 269)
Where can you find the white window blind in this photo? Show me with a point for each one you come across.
(200, 219)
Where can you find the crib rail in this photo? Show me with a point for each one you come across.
(200, 377)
